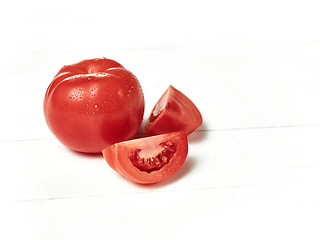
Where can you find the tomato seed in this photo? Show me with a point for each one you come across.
(156, 162)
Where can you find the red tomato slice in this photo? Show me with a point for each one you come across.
(173, 112)
(148, 160)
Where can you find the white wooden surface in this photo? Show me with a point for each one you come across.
(252, 68)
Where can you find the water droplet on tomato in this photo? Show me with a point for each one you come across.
(76, 94)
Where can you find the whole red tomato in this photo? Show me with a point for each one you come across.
(93, 104)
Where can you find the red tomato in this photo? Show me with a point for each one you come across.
(150, 159)
(93, 104)
(173, 112)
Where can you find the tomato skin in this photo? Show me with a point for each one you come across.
(173, 112)
(93, 104)
(118, 157)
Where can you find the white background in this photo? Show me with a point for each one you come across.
(251, 67)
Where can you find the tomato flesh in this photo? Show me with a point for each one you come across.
(150, 159)
(173, 112)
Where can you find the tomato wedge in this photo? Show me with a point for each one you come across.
(173, 112)
(150, 159)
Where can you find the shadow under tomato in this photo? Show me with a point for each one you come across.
(198, 135)
(88, 155)
(186, 168)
